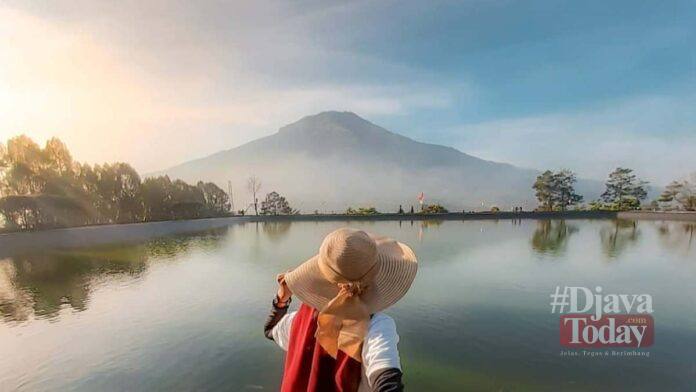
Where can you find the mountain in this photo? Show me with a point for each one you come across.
(333, 160)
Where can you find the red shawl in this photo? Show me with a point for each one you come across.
(308, 367)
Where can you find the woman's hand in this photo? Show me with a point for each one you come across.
(284, 292)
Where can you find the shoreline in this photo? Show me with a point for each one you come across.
(75, 237)
(688, 216)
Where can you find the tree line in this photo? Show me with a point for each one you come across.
(45, 188)
(623, 191)
(679, 194)
(556, 191)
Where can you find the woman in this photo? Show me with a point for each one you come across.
(339, 340)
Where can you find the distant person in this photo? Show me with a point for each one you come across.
(339, 339)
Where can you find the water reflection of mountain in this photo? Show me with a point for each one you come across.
(551, 236)
(40, 284)
(618, 236)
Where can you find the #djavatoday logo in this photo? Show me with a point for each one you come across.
(594, 319)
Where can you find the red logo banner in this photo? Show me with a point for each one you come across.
(621, 330)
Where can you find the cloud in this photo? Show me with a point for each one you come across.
(652, 134)
(163, 93)
(160, 82)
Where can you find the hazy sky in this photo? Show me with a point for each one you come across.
(545, 84)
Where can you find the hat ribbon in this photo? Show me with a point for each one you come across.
(344, 321)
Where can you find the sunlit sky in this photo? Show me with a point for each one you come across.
(543, 84)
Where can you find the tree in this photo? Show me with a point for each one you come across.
(217, 202)
(4, 165)
(165, 199)
(254, 186)
(3, 159)
(434, 209)
(157, 198)
(87, 178)
(23, 161)
(188, 202)
(58, 156)
(41, 211)
(275, 204)
(19, 212)
(544, 190)
(105, 190)
(624, 190)
(129, 202)
(564, 189)
(682, 192)
(118, 188)
(668, 196)
(556, 190)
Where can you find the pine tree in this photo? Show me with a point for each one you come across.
(683, 193)
(624, 190)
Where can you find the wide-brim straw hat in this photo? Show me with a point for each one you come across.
(383, 267)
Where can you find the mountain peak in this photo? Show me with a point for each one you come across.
(334, 116)
(331, 122)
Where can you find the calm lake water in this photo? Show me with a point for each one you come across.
(186, 312)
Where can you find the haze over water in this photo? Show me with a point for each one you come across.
(186, 312)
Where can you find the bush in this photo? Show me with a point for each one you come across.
(362, 211)
(276, 204)
(434, 209)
